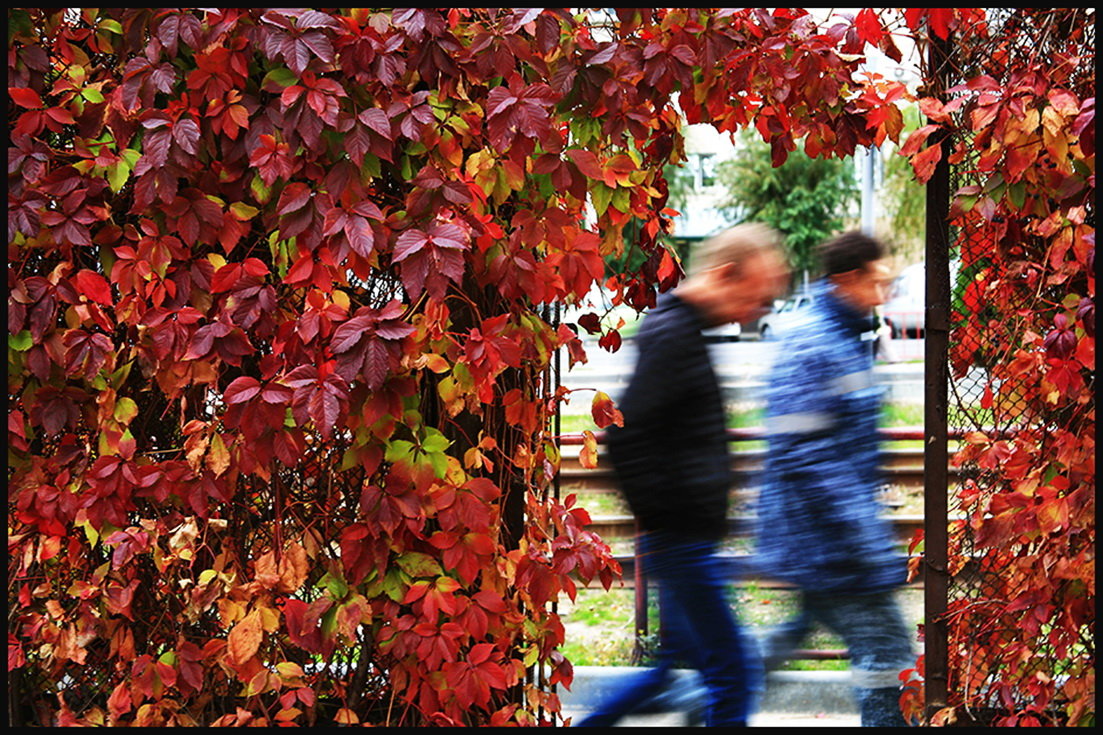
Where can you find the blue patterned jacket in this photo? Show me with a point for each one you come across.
(819, 515)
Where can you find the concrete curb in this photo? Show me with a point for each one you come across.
(806, 693)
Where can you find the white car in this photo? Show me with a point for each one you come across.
(784, 315)
(905, 309)
(723, 333)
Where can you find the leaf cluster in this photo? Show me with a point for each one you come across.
(280, 395)
(1015, 124)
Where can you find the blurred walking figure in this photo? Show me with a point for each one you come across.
(820, 519)
(673, 467)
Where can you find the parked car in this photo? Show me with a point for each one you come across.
(784, 315)
(905, 309)
(724, 333)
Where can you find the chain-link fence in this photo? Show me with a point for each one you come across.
(1015, 641)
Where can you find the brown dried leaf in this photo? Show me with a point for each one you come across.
(245, 638)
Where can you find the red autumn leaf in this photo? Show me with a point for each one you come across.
(86, 353)
(241, 389)
(369, 344)
(94, 286)
(605, 411)
(519, 110)
(610, 341)
(869, 27)
(431, 258)
(924, 162)
(319, 397)
(25, 97)
(587, 163)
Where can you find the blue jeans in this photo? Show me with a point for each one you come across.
(698, 630)
(878, 641)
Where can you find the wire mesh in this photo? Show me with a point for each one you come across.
(990, 600)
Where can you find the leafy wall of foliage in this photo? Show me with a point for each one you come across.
(280, 296)
(1019, 121)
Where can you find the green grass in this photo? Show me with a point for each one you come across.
(599, 624)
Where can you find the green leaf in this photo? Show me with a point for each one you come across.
(334, 585)
(243, 211)
(622, 199)
(395, 584)
(434, 441)
(439, 463)
(601, 195)
(399, 450)
(417, 564)
(283, 76)
(93, 95)
(372, 166)
(349, 460)
(125, 410)
(20, 342)
(261, 192)
(117, 175)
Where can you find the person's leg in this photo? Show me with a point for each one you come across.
(641, 690)
(637, 690)
(699, 626)
(880, 648)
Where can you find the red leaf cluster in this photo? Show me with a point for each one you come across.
(1015, 131)
(278, 352)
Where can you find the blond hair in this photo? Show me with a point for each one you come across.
(734, 245)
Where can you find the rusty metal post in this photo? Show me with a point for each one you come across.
(641, 601)
(935, 415)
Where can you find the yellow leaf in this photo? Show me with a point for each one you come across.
(245, 638)
(587, 456)
(436, 363)
(230, 611)
(125, 410)
(287, 715)
(290, 670)
(218, 457)
(346, 716)
(269, 619)
(243, 211)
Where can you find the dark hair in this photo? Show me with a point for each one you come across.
(849, 251)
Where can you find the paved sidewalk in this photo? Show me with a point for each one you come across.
(791, 699)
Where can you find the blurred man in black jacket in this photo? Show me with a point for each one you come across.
(673, 466)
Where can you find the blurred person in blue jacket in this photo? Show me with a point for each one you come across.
(673, 467)
(820, 522)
